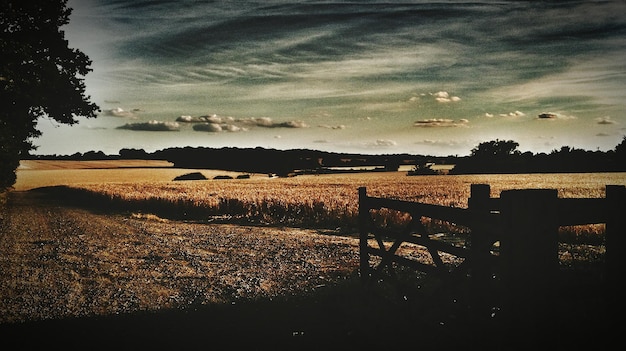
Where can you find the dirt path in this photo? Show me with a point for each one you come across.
(59, 261)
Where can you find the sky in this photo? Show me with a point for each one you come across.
(374, 77)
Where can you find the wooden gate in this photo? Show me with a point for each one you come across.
(524, 222)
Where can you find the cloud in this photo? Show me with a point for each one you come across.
(119, 112)
(217, 127)
(154, 126)
(381, 143)
(605, 120)
(507, 114)
(267, 122)
(446, 143)
(513, 114)
(208, 127)
(553, 115)
(440, 122)
(444, 96)
(216, 124)
(201, 119)
(547, 115)
(292, 124)
(340, 126)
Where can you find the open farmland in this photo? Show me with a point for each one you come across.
(270, 258)
(323, 201)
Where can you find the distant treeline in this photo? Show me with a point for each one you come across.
(498, 156)
(502, 156)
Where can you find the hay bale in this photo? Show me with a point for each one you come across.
(191, 176)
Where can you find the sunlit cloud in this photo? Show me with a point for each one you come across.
(154, 126)
(513, 114)
(440, 122)
(119, 112)
(203, 119)
(208, 127)
(214, 123)
(444, 96)
(267, 122)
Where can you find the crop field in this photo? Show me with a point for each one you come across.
(260, 256)
(328, 201)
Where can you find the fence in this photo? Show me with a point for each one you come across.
(524, 222)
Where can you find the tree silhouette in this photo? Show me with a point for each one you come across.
(496, 149)
(620, 149)
(495, 156)
(40, 76)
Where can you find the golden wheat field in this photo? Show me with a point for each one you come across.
(329, 200)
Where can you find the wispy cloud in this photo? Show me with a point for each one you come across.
(380, 144)
(451, 144)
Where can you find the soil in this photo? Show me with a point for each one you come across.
(78, 278)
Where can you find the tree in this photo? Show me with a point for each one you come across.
(495, 156)
(40, 76)
(496, 149)
(620, 153)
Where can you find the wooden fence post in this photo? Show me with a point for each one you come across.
(615, 243)
(479, 255)
(529, 258)
(363, 235)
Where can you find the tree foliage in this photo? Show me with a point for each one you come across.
(498, 156)
(496, 149)
(40, 76)
(620, 151)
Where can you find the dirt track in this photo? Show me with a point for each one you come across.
(59, 261)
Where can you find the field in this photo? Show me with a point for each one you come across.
(123, 248)
(320, 201)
